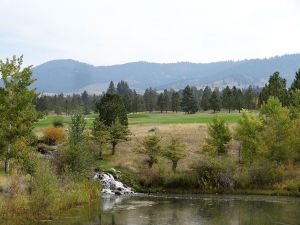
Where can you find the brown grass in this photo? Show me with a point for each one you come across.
(192, 135)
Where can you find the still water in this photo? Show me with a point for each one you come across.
(186, 210)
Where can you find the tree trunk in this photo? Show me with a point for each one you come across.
(6, 167)
(174, 166)
(150, 164)
(113, 148)
(7, 155)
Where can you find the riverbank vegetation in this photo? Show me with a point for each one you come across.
(33, 185)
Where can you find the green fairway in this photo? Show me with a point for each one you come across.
(172, 118)
(146, 118)
(48, 120)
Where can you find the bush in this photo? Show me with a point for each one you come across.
(215, 174)
(58, 122)
(53, 135)
(181, 180)
(242, 178)
(264, 173)
(151, 178)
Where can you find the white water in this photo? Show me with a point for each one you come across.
(112, 186)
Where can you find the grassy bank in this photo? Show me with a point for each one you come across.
(23, 200)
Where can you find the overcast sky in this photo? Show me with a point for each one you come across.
(106, 32)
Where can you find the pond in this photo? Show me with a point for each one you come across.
(185, 210)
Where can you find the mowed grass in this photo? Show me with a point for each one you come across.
(47, 121)
(177, 118)
(148, 118)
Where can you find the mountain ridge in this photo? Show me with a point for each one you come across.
(70, 76)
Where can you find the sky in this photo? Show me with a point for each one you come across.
(107, 32)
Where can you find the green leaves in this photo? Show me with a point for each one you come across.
(219, 136)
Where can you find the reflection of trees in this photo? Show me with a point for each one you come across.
(214, 211)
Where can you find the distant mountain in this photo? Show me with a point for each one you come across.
(68, 76)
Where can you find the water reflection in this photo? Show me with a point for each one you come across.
(209, 210)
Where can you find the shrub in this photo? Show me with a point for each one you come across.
(58, 122)
(182, 180)
(53, 135)
(152, 178)
(263, 173)
(215, 174)
(242, 178)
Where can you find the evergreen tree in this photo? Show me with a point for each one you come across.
(238, 100)
(188, 101)
(16, 109)
(111, 88)
(150, 99)
(135, 102)
(296, 83)
(175, 101)
(249, 98)
(160, 102)
(276, 87)
(110, 108)
(215, 100)
(219, 136)
(85, 102)
(151, 147)
(227, 99)
(205, 99)
(126, 94)
(166, 100)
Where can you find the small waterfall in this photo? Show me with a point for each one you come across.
(111, 186)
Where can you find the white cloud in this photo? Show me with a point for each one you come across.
(117, 31)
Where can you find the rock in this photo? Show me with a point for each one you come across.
(154, 129)
(112, 186)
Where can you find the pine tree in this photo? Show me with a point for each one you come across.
(276, 87)
(150, 99)
(296, 83)
(175, 101)
(215, 100)
(110, 108)
(160, 102)
(219, 136)
(205, 99)
(188, 101)
(249, 98)
(227, 99)
(151, 147)
(111, 88)
(166, 100)
(126, 94)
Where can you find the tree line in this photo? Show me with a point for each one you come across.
(189, 100)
